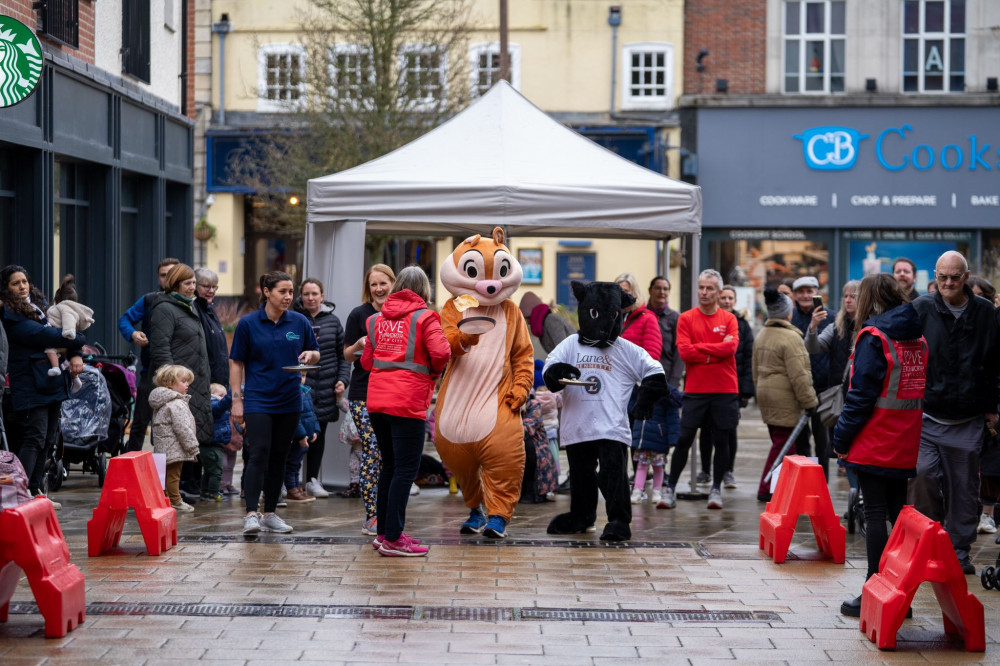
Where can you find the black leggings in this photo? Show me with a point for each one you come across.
(705, 444)
(884, 497)
(314, 455)
(267, 439)
(720, 463)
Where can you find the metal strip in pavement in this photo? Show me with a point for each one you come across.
(300, 540)
(449, 613)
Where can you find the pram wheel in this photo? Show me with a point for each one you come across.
(54, 475)
(987, 579)
(102, 466)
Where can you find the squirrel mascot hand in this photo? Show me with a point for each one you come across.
(558, 371)
(516, 398)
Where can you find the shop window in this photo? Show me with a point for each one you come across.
(647, 73)
(422, 74)
(128, 288)
(7, 197)
(933, 46)
(484, 66)
(814, 37)
(281, 72)
(135, 39)
(352, 72)
(60, 20)
(71, 235)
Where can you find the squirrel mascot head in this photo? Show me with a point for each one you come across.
(600, 311)
(482, 267)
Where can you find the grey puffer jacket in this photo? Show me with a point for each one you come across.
(173, 425)
(176, 337)
(333, 367)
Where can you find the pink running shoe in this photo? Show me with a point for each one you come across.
(377, 542)
(402, 547)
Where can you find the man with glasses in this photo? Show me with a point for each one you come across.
(960, 402)
(138, 315)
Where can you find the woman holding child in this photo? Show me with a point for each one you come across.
(270, 400)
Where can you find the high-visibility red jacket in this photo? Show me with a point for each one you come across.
(405, 353)
(891, 436)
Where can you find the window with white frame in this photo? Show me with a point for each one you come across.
(647, 75)
(814, 36)
(352, 71)
(281, 73)
(422, 73)
(933, 46)
(484, 66)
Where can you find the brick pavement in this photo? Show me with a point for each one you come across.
(691, 588)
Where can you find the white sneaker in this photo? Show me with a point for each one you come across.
(272, 523)
(715, 499)
(182, 507)
(729, 481)
(636, 495)
(56, 505)
(251, 524)
(668, 500)
(316, 489)
(414, 490)
(657, 496)
(986, 524)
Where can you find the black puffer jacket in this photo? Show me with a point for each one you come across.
(964, 357)
(820, 363)
(215, 341)
(176, 337)
(333, 366)
(744, 356)
(30, 384)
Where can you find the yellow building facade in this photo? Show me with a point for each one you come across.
(611, 71)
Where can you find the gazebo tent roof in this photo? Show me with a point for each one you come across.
(504, 162)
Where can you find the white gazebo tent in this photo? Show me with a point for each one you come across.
(500, 162)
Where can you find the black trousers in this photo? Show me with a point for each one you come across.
(884, 498)
(266, 441)
(142, 414)
(705, 447)
(400, 443)
(599, 464)
(39, 432)
(821, 436)
(314, 456)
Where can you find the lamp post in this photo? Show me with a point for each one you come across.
(222, 28)
(504, 52)
(614, 20)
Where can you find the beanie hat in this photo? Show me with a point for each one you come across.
(779, 306)
(539, 364)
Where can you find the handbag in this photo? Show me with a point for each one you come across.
(831, 401)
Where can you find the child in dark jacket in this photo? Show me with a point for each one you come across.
(651, 441)
(305, 434)
(211, 454)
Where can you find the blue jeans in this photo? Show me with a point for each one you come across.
(400, 443)
(293, 465)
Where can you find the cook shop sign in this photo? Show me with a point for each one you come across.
(833, 148)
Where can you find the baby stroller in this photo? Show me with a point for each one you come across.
(94, 418)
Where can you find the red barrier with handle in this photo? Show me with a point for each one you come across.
(132, 481)
(801, 489)
(31, 540)
(920, 550)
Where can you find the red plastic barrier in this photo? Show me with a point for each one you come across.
(31, 540)
(132, 481)
(919, 550)
(801, 489)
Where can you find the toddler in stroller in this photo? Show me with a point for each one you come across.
(95, 416)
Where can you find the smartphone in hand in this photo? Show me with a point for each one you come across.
(817, 302)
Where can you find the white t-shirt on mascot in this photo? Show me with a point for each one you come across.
(600, 411)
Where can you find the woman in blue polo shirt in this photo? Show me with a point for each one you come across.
(266, 341)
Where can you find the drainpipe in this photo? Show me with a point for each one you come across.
(614, 20)
(222, 28)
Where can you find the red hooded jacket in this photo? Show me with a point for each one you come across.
(405, 355)
(643, 328)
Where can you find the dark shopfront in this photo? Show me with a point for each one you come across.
(95, 180)
(840, 192)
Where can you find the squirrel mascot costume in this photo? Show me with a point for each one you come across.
(594, 427)
(478, 430)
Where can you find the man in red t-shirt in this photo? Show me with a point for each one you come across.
(707, 338)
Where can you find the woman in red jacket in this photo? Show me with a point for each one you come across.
(640, 324)
(406, 352)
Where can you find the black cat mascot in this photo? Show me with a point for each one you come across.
(597, 372)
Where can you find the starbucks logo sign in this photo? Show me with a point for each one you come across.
(20, 61)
